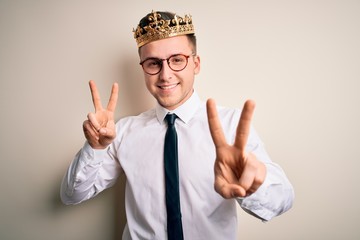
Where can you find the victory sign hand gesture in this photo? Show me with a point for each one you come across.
(99, 128)
(237, 173)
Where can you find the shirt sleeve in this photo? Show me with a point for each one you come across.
(90, 172)
(275, 196)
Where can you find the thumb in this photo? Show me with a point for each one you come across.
(108, 131)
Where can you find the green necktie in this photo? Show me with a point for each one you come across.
(174, 225)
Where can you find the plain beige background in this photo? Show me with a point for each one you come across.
(300, 61)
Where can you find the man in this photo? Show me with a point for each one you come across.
(209, 176)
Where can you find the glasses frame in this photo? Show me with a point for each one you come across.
(161, 60)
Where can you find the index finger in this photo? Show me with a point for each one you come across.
(216, 131)
(243, 128)
(95, 96)
(113, 98)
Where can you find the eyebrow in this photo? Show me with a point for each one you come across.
(151, 57)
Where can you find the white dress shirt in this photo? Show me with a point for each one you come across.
(138, 152)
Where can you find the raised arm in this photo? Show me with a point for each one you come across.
(93, 169)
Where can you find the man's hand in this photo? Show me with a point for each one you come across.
(237, 173)
(99, 128)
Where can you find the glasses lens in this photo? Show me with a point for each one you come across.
(177, 62)
(152, 65)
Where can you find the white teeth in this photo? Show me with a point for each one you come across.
(168, 87)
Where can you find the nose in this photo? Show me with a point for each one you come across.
(165, 72)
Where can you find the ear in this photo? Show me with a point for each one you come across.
(197, 64)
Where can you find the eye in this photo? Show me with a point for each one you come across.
(177, 59)
(152, 63)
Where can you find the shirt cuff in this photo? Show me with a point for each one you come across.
(91, 155)
(264, 203)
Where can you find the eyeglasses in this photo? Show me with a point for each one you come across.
(177, 63)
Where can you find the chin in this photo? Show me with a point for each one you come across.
(168, 103)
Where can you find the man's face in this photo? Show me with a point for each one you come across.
(171, 88)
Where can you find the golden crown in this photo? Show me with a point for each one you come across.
(155, 27)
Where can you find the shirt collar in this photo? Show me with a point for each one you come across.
(185, 112)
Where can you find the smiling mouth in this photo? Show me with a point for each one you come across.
(168, 87)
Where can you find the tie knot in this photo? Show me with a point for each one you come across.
(170, 118)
